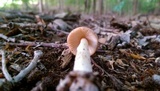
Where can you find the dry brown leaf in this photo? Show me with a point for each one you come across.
(66, 57)
(14, 30)
(102, 58)
(102, 40)
(15, 67)
(28, 49)
(2, 31)
(8, 47)
(111, 64)
(29, 38)
(149, 72)
(40, 20)
(131, 54)
(137, 56)
(17, 52)
(124, 51)
(133, 65)
(113, 42)
(120, 62)
(105, 59)
(1, 75)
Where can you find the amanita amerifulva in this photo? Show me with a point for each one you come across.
(83, 43)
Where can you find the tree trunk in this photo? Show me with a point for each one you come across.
(157, 9)
(61, 3)
(100, 6)
(135, 7)
(40, 6)
(87, 5)
(94, 6)
(46, 3)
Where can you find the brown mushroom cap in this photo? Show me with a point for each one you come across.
(77, 34)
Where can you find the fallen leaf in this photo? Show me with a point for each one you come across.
(61, 15)
(16, 67)
(120, 62)
(28, 49)
(1, 75)
(133, 65)
(113, 42)
(8, 47)
(137, 56)
(66, 57)
(14, 29)
(129, 53)
(39, 20)
(124, 51)
(62, 24)
(111, 64)
(124, 37)
(102, 40)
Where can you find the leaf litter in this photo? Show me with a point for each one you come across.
(127, 58)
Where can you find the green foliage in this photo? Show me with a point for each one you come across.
(70, 1)
(13, 5)
(147, 5)
(119, 6)
(25, 1)
(126, 6)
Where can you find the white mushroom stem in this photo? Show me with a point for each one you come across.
(82, 59)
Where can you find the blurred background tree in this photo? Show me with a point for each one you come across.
(121, 7)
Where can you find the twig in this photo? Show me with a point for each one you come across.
(21, 25)
(26, 43)
(35, 44)
(103, 29)
(30, 67)
(7, 38)
(23, 73)
(4, 68)
(63, 32)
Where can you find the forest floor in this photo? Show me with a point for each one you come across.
(127, 59)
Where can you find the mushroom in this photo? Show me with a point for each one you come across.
(79, 81)
(83, 43)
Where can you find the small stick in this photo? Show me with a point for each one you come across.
(11, 81)
(23, 73)
(7, 38)
(35, 44)
(21, 25)
(4, 68)
(30, 67)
